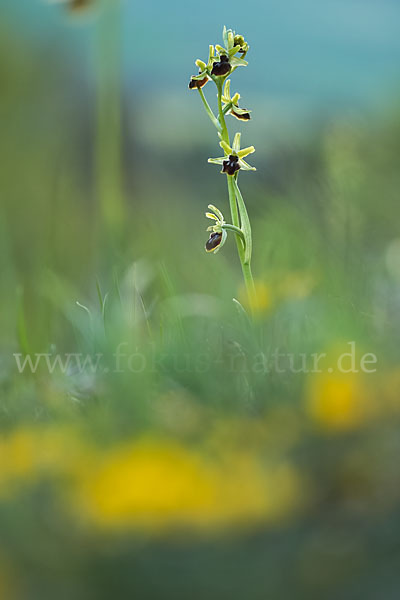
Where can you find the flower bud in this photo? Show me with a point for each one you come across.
(240, 41)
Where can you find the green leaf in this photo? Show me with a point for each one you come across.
(245, 223)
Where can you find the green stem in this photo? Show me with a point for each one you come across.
(224, 129)
(108, 145)
(232, 190)
(235, 229)
(233, 202)
(210, 113)
(234, 210)
(246, 268)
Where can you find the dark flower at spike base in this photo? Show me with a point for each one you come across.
(222, 67)
(197, 83)
(213, 241)
(231, 165)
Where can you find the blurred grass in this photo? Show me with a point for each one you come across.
(191, 462)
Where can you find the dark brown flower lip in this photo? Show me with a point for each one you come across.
(241, 116)
(222, 67)
(197, 83)
(213, 241)
(231, 165)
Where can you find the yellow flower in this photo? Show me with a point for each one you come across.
(30, 453)
(152, 484)
(155, 484)
(337, 401)
(296, 285)
(262, 300)
(147, 484)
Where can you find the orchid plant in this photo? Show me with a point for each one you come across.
(222, 62)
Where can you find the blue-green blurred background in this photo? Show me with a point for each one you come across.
(102, 138)
(104, 185)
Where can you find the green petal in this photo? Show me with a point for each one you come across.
(246, 151)
(231, 40)
(200, 76)
(217, 161)
(245, 166)
(225, 147)
(241, 111)
(225, 35)
(227, 89)
(236, 143)
(217, 212)
(233, 50)
(238, 62)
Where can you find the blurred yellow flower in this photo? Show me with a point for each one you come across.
(337, 401)
(152, 483)
(296, 285)
(262, 300)
(146, 482)
(27, 454)
(155, 484)
(291, 285)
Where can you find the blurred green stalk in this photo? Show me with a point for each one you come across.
(108, 145)
(234, 196)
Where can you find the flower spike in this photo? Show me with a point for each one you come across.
(222, 61)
